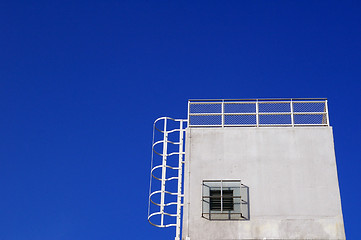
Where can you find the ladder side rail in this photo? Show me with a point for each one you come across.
(180, 176)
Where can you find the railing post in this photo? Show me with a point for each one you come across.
(257, 115)
(189, 110)
(326, 110)
(223, 113)
(292, 116)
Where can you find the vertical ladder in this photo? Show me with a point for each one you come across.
(162, 164)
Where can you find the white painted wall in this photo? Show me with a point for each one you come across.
(291, 174)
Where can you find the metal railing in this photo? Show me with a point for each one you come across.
(258, 113)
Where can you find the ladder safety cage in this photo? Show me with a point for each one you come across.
(258, 113)
(165, 190)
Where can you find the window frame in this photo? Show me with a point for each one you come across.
(226, 202)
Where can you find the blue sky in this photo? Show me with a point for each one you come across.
(81, 83)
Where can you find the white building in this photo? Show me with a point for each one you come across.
(253, 169)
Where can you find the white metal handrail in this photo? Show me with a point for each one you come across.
(258, 113)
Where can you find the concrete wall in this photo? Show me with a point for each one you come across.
(291, 174)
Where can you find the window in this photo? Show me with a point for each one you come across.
(225, 200)
(221, 200)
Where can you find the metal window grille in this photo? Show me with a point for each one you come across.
(225, 200)
(221, 200)
(258, 113)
